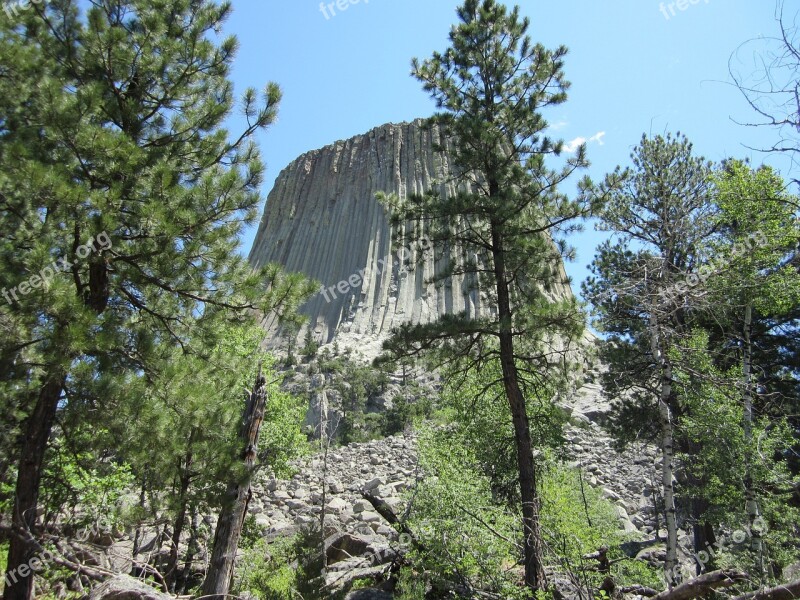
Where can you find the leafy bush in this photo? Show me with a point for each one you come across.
(3, 556)
(251, 533)
(452, 508)
(410, 586)
(576, 520)
(406, 411)
(637, 572)
(87, 491)
(266, 570)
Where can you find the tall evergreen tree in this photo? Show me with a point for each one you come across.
(491, 85)
(122, 198)
(661, 217)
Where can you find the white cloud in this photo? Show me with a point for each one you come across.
(559, 125)
(572, 145)
(598, 137)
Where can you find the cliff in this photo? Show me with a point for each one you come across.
(322, 219)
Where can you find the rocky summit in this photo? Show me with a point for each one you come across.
(322, 219)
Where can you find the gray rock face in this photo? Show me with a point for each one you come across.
(322, 219)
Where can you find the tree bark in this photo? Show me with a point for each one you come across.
(751, 501)
(788, 591)
(231, 518)
(700, 586)
(191, 549)
(387, 513)
(703, 536)
(667, 449)
(26, 494)
(535, 576)
(180, 517)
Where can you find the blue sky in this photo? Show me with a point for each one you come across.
(634, 66)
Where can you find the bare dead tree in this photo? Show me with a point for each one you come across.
(231, 519)
(767, 72)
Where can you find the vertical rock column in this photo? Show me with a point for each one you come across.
(322, 219)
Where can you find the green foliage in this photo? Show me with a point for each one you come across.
(83, 489)
(282, 438)
(752, 262)
(464, 510)
(470, 533)
(358, 386)
(450, 508)
(577, 518)
(251, 533)
(266, 570)
(6, 497)
(661, 217)
(504, 229)
(479, 411)
(410, 409)
(309, 575)
(579, 521)
(704, 270)
(712, 413)
(310, 345)
(284, 569)
(134, 186)
(637, 572)
(409, 585)
(114, 113)
(189, 409)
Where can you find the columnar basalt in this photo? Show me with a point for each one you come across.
(322, 219)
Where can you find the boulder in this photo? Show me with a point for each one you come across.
(343, 546)
(337, 505)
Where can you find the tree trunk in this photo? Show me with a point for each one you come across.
(703, 585)
(667, 478)
(535, 577)
(751, 501)
(703, 537)
(667, 450)
(191, 549)
(786, 591)
(180, 517)
(137, 540)
(231, 519)
(26, 494)
(325, 442)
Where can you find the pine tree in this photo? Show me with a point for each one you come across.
(661, 215)
(491, 85)
(122, 198)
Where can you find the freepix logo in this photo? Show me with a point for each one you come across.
(14, 8)
(668, 9)
(329, 9)
(43, 277)
(402, 258)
